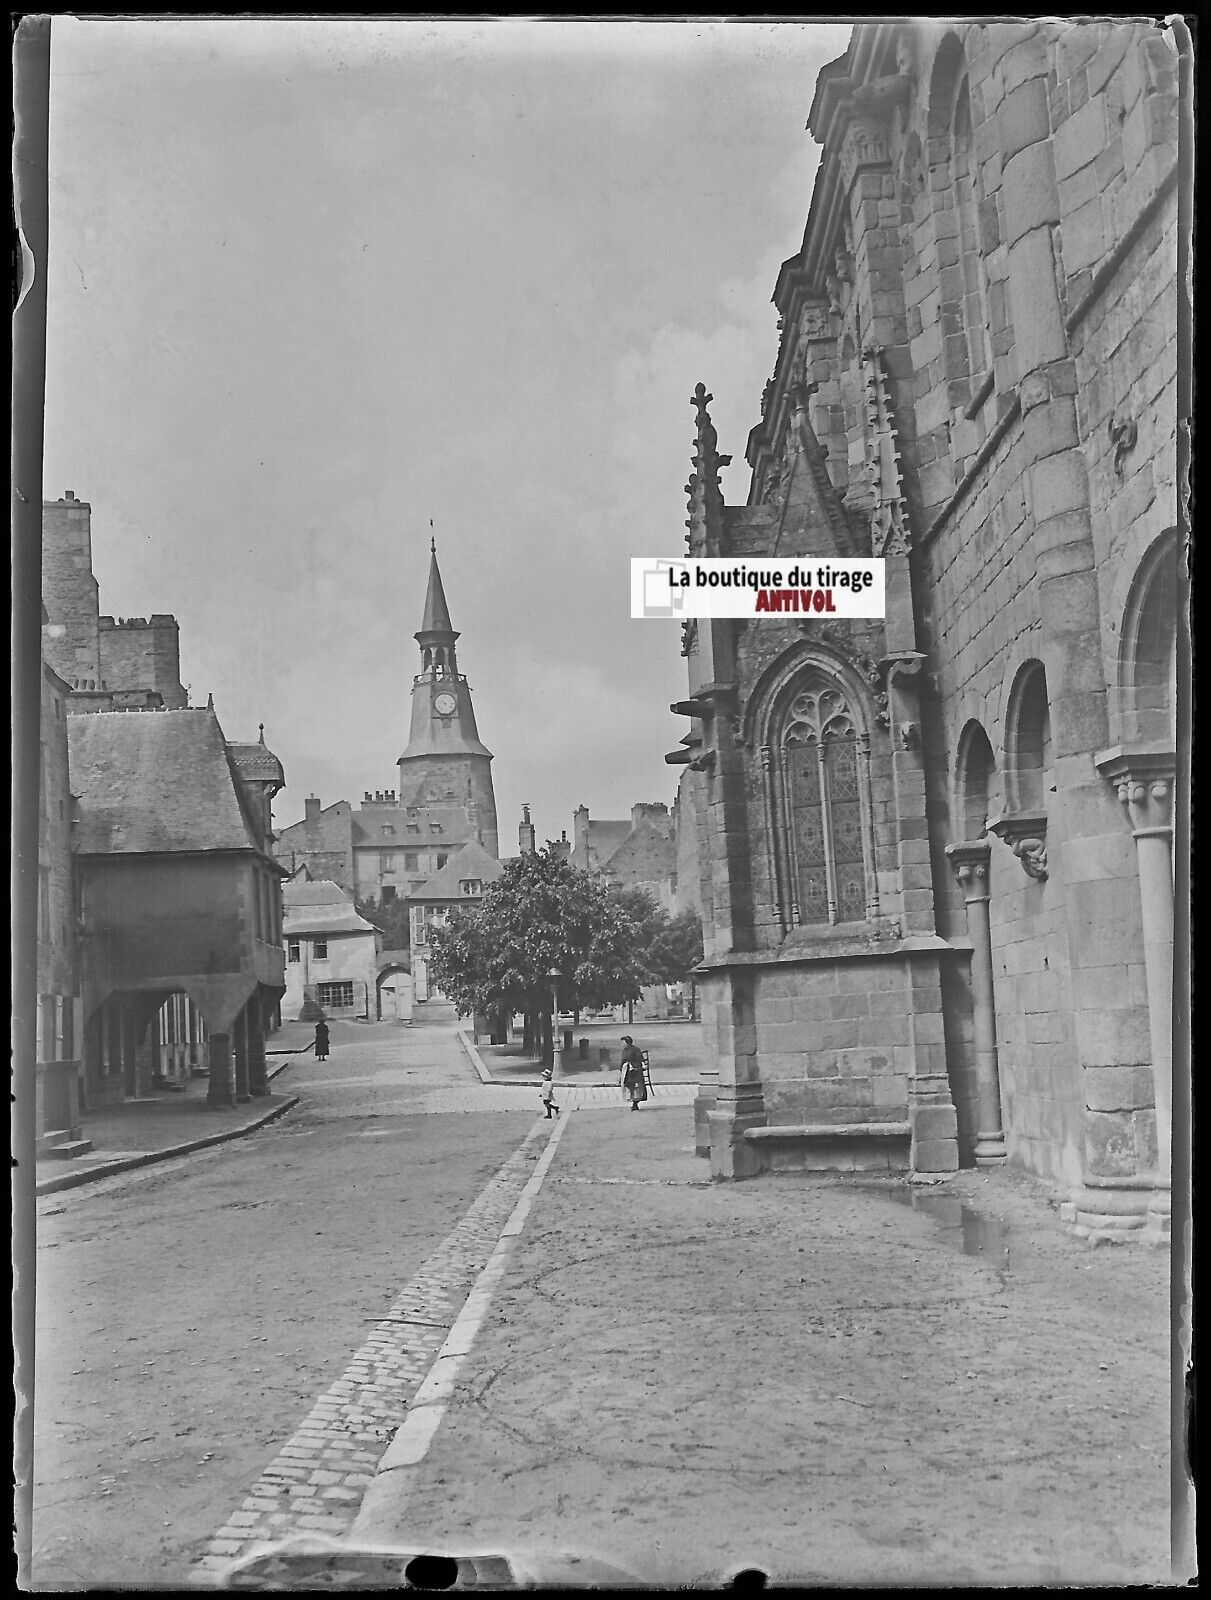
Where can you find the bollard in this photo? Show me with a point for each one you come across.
(583, 1051)
(567, 1038)
(603, 1056)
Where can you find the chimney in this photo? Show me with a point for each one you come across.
(525, 833)
(311, 807)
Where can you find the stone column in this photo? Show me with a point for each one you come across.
(222, 1079)
(1143, 781)
(969, 860)
(258, 1080)
(239, 1039)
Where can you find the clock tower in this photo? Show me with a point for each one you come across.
(445, 761)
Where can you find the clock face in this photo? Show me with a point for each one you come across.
(445, 704)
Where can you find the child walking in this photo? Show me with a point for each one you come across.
(548, 1093)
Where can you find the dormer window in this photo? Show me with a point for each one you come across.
(388, 830)
(472, 886)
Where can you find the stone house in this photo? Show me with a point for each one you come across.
(639, 852)
(460, 882)
(179, 899)
(331, 952)
(935, 851)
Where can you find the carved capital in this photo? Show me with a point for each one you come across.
(969, 862)
(866, 144)
(1025, 832)
(1143, 779)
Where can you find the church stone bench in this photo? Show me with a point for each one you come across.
(834, 1146)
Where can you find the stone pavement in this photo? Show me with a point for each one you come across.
(135, 1132)
(317, 1480)
(831, 1380)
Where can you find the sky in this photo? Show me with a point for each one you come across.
(314, 284)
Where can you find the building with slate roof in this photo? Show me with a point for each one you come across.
(462, 881)
(640, 853)
(179, 896)
(331, 952)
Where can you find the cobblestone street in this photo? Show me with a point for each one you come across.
(242, 1309)
(640, 1391)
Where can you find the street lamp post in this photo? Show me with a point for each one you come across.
(556, 1044)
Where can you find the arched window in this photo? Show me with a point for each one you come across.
(820, 756)
(976, 782)
(962, 168)
(967, 346)
(1148, 658)
(1028, 764)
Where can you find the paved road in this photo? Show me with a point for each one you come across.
(190, 1313)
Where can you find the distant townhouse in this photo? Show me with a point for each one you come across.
(461, 882)
(331, 952)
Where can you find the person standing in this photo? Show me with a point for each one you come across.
(632, 1072)
(321, 1041)
(548, 1093)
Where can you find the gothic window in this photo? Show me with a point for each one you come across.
(821, 755)
(955, 191)
(971, 289)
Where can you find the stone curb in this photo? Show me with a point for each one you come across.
(73, 1180)
(483, 1072)
(385, 1500)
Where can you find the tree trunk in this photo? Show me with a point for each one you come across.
(630, 1013)
(529, 1042)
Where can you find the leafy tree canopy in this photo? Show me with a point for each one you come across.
(676, 948)
(542, 913)
(668, 946)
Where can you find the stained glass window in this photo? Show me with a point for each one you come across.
(823, 806)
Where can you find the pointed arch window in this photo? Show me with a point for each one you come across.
(824, 768)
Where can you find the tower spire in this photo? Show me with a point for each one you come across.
(436, 627)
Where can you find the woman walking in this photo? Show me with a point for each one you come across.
(321, 1041)
(632, 1073)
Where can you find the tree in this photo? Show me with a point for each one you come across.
(390, 917)
(669, 946)
(677, 948)
(542, 913)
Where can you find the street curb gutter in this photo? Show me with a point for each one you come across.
(477, 1062)
(73, 1180)
(388, 1494)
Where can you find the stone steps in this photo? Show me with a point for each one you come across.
(60, 1145)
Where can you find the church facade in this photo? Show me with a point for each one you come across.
(935, 851)
(394, 843)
